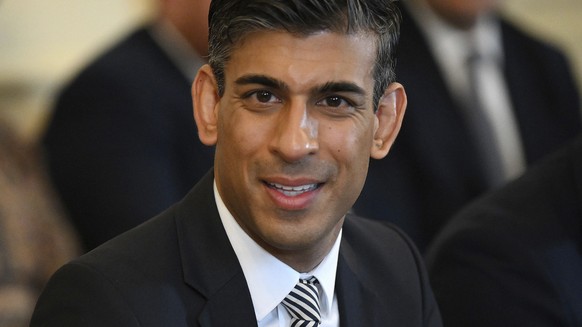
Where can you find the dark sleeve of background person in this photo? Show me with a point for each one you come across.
(122, 145)
(514, 257)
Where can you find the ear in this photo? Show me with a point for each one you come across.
(389, 117)
(205, 99)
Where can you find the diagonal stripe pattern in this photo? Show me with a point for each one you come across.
(302, 303)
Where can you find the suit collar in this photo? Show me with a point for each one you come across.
(577, 172)
(221, 280)
(433, 109)
(222, 283)
(377, 294)
(358, 300)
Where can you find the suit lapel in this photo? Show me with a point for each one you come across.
(226, 307)
(577, 173)
(357, 304)
(220, 280)
(358, 301)
(434, 111)
(372, 293)
(521, 83)
(433, 133)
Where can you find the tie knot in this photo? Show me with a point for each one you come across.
(302, 303)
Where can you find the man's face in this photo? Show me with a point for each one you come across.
(295, 130)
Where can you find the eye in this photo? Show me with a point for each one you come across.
(335, 101)
(260, 100)
(264, 96)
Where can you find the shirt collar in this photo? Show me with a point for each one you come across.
(269, 279)
(177, 48)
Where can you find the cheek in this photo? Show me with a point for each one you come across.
(349, 144)
(239, 133)
(350, 150)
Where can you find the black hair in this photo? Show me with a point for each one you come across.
(232, 20)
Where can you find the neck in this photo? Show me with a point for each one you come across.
(308, 257)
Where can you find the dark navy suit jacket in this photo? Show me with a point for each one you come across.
(514, 257)
(433, 168)
(122, 145)
(179, 269)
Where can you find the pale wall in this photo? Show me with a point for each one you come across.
(43, 42)
(558, 21)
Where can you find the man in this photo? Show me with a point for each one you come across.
(513, 258)
(479, 89)
(297, 97)
(120, 145)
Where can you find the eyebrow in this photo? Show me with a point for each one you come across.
(329, 87)
(332, 87)
(262, 80)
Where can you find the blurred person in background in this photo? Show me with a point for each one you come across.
(122, 145)
(513, 257)
(485, 101)
(35, 239)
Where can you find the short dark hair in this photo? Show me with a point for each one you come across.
(232, 20)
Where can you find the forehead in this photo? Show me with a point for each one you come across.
(304, 61)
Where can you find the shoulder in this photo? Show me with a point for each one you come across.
(153, 250)
(380, 244)
(134, 62)
(145, 251)
(132, 49)
(548, 197)
(516, 39)
(124, 90)
(517, 240)
(118, 283)
(386, 262)
(374, 233)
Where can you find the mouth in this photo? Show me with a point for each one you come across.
(293, 194)
(293, 191)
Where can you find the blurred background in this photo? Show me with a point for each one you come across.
(42, 43)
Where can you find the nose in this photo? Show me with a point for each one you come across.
(296, 134)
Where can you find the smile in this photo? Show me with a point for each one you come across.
(292, 191)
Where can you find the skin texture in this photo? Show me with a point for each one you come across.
(280, 122)
(462, 13)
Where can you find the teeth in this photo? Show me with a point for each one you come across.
(293, 190)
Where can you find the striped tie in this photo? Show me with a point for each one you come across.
(303, 304)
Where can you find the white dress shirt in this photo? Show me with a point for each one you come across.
(451, 48)
(270, 280)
